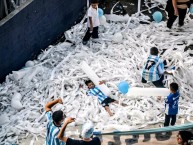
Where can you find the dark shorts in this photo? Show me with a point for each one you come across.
(107, 101)
(158, 83)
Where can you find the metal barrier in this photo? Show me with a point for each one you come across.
(149, 131)
(7, 6)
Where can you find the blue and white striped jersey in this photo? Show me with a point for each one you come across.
(97, 92)
(52, 131)
(150, 71)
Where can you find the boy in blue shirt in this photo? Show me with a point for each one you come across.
(171, 105)
(102, 98)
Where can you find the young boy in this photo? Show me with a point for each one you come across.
(55, 120)
(154, 69)
(102, 98)
(171, 105)
(86, 135)
(92, 22)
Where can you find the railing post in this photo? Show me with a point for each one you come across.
(5, 5)
(139, 6)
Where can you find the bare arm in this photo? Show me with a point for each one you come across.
(91, 23)
(62, 130)
(50, 104)
(162, 71)
(174, 3)
(168, 73)
(102, 82)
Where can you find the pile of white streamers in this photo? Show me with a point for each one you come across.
(57, 73)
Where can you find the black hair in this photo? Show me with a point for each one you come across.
(186, 136)
(154, 51)
(94, 1)
(87, 82)
(174, 87)
(57, 116)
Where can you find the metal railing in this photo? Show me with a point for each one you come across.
(149, 131)
(7, 6)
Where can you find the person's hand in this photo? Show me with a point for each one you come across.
(60, 101)
(70, 120)
(91, 29)
(80, 86)
(159, 98)
(101, 82)
(169, 73)
(176, 12)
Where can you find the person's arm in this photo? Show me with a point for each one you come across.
(62, 130)
(160, 70)
(91, 24)
(169, 99)
(90, 19)
(174, 3)
(168, 73)
(163, 71)
(50, 104)
(102, 82)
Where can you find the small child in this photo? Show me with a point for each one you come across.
(92, 22)
(154, 69)
(102, 98)
(171, 105)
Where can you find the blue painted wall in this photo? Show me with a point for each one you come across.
(34, 28)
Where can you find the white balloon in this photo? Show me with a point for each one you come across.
(16, 104)
(118, 37)
(102, 20)
(17, 96)
(29, 63)
(148, 92)
(15, 101)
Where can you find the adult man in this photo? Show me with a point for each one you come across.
(177, 8)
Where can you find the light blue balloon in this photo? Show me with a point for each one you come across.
(100, 12)
(191, 9)
(157, 16)
(123, 87)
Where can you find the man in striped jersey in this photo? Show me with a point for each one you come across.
(102, 98)
(55, 121)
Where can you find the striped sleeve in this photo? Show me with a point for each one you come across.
(49, 115)
(88, 93)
